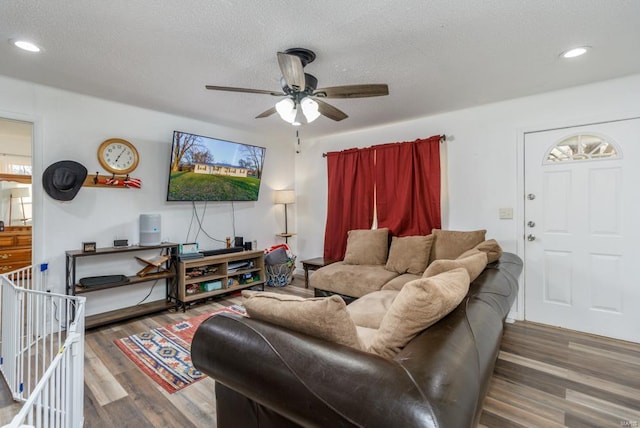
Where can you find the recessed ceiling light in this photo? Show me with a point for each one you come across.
(24, 45)
(572, 53)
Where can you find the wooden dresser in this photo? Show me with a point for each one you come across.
(15, 248)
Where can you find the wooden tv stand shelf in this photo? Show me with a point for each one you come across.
(220, 274)
(167, 273)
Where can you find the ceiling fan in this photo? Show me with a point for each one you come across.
(302, 102)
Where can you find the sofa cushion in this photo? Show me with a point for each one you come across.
(399, 281)
(367, 247)
(369, 310)
(418, 305)
(474, 261)
(490, 247)
(409, 254)
(366, 335)
(326, 317)
(351, 280)
(449, 244)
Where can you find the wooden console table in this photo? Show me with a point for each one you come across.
(165, 272)
(211, 276)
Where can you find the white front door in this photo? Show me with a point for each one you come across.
(582, 228)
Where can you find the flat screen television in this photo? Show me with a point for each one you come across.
(209, 169)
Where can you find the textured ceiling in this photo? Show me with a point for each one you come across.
(435, 55)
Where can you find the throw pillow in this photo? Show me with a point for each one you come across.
(449, 244)
(418, 305)
(490, 247)
(276, 257)
(409, 254)
(325, 318)
(368, 310)
(474, 263)
(367, 247)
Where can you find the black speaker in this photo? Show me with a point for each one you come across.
(238, 241)
(247, 246)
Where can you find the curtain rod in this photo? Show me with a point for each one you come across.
(443, 138)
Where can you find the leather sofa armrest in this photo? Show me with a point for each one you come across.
(309, 381)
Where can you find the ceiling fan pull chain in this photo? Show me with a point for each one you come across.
(298, 138)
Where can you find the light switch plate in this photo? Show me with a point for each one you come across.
(505, 213)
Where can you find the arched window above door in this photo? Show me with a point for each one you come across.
(581, 147)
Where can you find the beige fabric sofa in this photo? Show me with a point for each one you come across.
(375, 261)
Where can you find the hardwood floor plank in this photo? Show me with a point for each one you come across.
(620, 412)
(532, 398)
(198, 403)
(516, 396)
(612, 355)
(149, 403)
(517, 415)
(99, 379)
(533, 364)
(581, 378)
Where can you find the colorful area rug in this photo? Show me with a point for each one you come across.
(164, 354)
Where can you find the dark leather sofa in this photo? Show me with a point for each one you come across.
(269, 376)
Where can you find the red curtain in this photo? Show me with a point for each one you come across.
(350, 198)
(408, 186)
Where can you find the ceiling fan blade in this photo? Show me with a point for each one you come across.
(330, 111)
(249, 91)
(266, 113)
(353, 91)
(292, 70)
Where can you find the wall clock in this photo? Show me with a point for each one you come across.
(118, 156)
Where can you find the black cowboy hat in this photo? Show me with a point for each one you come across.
(62, 180)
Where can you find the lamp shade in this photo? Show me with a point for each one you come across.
(284, 197)
(286, 108)
(310, 109)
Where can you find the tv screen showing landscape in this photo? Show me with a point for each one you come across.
(209, 169)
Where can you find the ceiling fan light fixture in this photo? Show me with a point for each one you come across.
(286, 108)
(310, 109)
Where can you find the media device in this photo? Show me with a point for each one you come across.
(150, 230)
(96, 281)
(120, 243)
(208, 169)
(190, 256)
(221, 251)
(238, 241)
(189, 248)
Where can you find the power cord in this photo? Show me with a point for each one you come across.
(148, 294)
(200, 219)
(151, 290)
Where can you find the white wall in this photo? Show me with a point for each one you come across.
(482, 157)
(72, 126)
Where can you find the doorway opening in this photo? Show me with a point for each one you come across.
(16, 202)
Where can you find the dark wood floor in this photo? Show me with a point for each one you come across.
(545, 377)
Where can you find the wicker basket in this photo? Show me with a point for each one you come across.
(279, 275)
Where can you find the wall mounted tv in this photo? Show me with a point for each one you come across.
(208, 169)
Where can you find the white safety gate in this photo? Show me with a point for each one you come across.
(42, 352)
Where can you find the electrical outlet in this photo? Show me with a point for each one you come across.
(505, 213)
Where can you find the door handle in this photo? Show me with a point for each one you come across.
(531, 237)
(531, 224)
